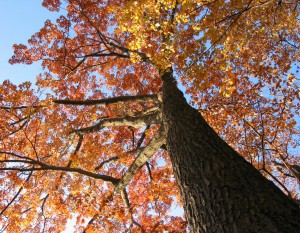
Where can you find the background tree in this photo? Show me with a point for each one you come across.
(92, 139)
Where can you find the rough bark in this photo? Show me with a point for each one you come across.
(221, 191)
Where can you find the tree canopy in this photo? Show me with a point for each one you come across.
(87, 142)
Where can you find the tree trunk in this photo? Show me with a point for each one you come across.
(221, 191)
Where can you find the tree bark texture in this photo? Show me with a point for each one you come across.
(221, 191)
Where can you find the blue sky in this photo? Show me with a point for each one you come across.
(19, 19)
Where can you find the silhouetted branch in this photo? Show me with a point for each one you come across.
(14, 198)
(64, 169)
(278, 181)
(142, 138)
(43, 205)
(20, 107)
(45, 167)
(16, 195)
(127, 204)
(138, 150)
(105, 162)
(138, 98)
(79, 143)
(96, 215)
(149, 170)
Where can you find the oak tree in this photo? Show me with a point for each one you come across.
(107, 137)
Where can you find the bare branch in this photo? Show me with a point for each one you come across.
(16, 195)
(127, 204)
(138, 98)
(278, 181)
(14, 198)
(21, 107)
(111, 54)
(78, 64)
(122, 121)
(4, 228)
(105, 162)
(19, 129)
(79, 143)
(137, 150)
(293, 169)
(224, 33)
(16, 155)
(43, 214)
(45, 167)
(156, 142)
(97, 214)
(19, 120)
(68, 144)
(149, 170)
(111, 44)
(142, 138)
(65, 169)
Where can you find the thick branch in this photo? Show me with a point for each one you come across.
(138, 98)
(156, 142)
(21, 107)
(122, 121)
